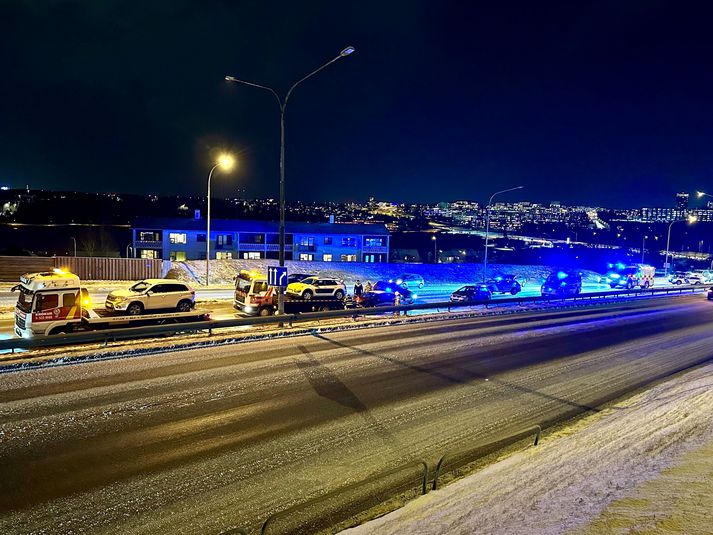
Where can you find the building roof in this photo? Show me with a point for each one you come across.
(247, 225)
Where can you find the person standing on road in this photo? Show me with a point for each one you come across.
(368, 286)
(358, 289)
(397, 302)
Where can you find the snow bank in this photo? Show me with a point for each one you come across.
(565, 483)
(223, 271)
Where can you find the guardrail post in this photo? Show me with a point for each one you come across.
(537, 435)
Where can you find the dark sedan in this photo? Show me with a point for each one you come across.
(383, 294)
(476, 293)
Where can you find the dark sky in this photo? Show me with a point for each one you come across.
(584, 102)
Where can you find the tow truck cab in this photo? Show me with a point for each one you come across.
(250, 290)
(49, 303)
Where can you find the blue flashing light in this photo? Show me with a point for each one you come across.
(414, 296)
(388, 290)
(619, 265)
(610, 265)
(614, 276)
(563, 283)
(561, 275)
(498, 279)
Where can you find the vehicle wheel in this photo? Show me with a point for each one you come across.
(184, 306)
(629, 285)
(57, 330)
(678, 282)
(135, 309)
(265, 311)
(646, 285)
(339, 294)
(307, 295)
(514, 291)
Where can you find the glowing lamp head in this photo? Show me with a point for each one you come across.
(692, 218)
(347, 51)
(699, 194)
(226, 162)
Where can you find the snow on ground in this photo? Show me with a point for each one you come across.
(223, 271)
(643, 465)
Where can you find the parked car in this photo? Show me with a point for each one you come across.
(694, 278)
(152, 294)
(477, 293)
(562, 283)
(316, 287)
(383, 294)
(504, 284)
(678, 277)
(298, 277)
(411, 281)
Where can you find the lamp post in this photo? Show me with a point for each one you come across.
(435, 249)
(75, 244)
(691, 219)
(643, 248)
(225, 162)
(127, 250)
(487, 227)
(282, 103)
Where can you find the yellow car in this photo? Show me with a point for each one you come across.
(318, 287)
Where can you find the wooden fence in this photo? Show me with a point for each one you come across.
(88, 268)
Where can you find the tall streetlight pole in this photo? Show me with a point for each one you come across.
(75, 244)
(487, 227)
(225, 162)
(127, 250)
(691, 219)
(435, 249)
(282, 103)
(643, 248)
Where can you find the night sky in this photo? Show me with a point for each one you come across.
(607, 103)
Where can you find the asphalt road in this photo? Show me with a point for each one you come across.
(201, 440)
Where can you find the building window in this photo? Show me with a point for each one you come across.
(177, 237)
(148, 253)
(327, 240)
(200, 238)
(252, 255)
(306, 241)
(225, 255)
(252, 237)
(374, 242)
(306, 257)
(224, 239)
(326, 257)
(348, 258)
(149, 236)
(349, 242)
(177, 256)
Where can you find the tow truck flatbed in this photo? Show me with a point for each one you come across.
(103, 319)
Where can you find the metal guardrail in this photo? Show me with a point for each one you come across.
(132, 333)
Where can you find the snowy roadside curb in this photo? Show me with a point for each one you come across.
(567, 481)
(16, 362)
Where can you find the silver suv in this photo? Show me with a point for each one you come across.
(152, 294)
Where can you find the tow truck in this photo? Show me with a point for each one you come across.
(54, 302)
(255, 297)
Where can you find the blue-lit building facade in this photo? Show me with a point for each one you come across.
(185, 239)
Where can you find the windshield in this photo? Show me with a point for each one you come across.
(243, 285)
(24, 300)
(382, 286)
(309, 280)
(140, 287)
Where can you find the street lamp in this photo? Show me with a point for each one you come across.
(127, 250)
(435, 249)
(282, 103)
(643, 248)
(226, 163)
(75, 244)
(700, 194)
(691, 219)
(487, 227)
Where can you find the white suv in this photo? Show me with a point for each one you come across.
(316, 287)
(152, 294)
